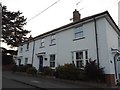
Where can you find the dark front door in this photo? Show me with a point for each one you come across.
(40, 63)
(19, 62)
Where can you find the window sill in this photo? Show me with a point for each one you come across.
(52, 44)
(52, 68)
(42, 46)
(78, 38)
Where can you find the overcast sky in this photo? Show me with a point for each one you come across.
(59, 14)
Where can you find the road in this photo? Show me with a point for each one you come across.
(8, 83)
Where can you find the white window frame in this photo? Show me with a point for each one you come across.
(52, 42)
(83, 59)
(78, 32)
(27, 46)
(52, 60)
(42, 43)
(26, 61)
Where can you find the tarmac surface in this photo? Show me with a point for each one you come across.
(51, 83)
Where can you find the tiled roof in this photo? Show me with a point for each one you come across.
(73, 23)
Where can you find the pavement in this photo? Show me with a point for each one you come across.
(42, 82)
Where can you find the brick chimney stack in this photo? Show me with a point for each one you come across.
(76, 16)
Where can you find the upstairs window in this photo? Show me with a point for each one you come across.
(52, 60)
(27, 48)
(21, 48)
(42, 44)
(78, 32)
(119, 43)
(53, 40)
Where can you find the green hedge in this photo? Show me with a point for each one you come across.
(93, 72)
(21, 68)
(48, 71)
(67, 71)
(31, 70)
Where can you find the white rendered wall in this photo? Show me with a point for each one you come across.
(25, 53)
(65, 46)
(112, 40)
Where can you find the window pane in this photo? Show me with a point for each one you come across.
(77, 64)
(52, 60)
(79, 29)
(53, 41)
(80, 34)
(27, 46)
(79, 55)
(26, 60)
(53, 37)
(81, 64)
(86, 55)
(42, 40)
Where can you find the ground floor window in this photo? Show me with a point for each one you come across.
(52, 60)
(26, 61)
(80, 57)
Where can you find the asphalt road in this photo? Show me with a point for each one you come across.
(8, 83)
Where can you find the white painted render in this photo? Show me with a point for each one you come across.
(66, 45)
(26, 53)
(112, 41)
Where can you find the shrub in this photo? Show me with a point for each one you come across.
(81, 75)
(14, 68)
(67, 71)
(31, 70)
(93, 72)
(48, 71)
(23, 68)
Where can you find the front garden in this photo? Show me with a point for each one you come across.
(91, 72)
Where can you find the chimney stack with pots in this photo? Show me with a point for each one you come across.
(76, 16)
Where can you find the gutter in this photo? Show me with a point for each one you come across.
(96, 37)
(33, 51)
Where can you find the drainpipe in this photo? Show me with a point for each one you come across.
(115, 65)
(96, 37)
(33, 51)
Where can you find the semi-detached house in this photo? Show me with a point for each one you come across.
(96, 37)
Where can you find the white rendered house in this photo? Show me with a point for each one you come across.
(95, 37)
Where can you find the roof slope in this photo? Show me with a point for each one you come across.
(73, 23)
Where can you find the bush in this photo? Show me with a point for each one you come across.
(67, 71)
(14, 68)
(48, 71)
(81, 75)
(93, 72)
(31, 70)
(23, 68)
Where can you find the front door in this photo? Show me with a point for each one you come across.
(19, 62)
(116, 62)
(40, 63)
(118, 68)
